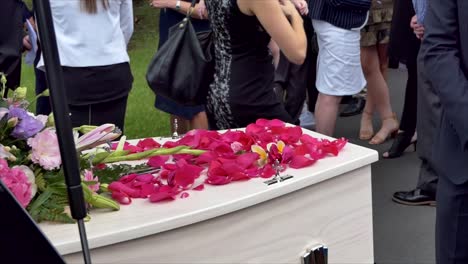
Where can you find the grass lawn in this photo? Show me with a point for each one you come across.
(142, 119)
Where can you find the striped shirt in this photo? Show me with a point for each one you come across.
(420, 8)
(352, 17)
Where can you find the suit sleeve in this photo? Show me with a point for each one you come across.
(442, 61)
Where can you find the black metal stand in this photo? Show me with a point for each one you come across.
(62, 118)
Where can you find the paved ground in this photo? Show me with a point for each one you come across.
(402, 234)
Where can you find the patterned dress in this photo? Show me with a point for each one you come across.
(242, 90)
(377, 30)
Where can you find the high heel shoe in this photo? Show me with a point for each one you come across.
(401, 143)
(386, 130)
(366, 131)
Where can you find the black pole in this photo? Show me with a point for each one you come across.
(62, 118)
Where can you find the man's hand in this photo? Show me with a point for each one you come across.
(163, 3)
(301, 6)
(418, 29)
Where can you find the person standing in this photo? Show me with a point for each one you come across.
(293, 82)
(404, 48)
(374, 58)
(242, 91)
(92, 39)
(445, 56)
(428, 115)
(337, 25)
(171, 13)
(11, 39)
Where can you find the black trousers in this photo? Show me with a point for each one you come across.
(452, 222)
(100, 113)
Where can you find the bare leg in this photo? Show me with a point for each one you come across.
(326, 112)
(377, 90)
(382, 49)
(366, 131)
(199, 121)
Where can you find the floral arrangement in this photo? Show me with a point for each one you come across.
(31, 166)
(30, 162)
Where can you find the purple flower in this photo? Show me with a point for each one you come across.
(17, 112)
(27, 127)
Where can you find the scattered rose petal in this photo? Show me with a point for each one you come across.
(184, 195)
(200, 187)
(299, 162)
(160, 196)
(158, 161)
(121, 198)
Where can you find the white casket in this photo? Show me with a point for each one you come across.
(328, 203)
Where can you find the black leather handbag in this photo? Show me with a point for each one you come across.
(183, 68)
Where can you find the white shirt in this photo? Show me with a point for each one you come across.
(86, 40)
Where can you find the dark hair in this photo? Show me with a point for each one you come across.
(90, 6)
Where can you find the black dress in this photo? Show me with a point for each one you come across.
(242, 90)
(403, 46)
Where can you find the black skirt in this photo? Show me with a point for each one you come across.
(92, 85)
(404, 45)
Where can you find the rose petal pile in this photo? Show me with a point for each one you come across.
(230, 156)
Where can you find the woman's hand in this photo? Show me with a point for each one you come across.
(301, 6)
(201, 9)
(288, 8)
(163, 3)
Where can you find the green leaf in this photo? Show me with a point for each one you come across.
(43, 197)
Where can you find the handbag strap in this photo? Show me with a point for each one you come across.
(191, 9)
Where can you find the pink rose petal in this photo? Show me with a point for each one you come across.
(200, 187)
(158, 161)
(121, 198)
(299, 162)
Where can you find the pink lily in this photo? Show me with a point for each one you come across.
(97, 136)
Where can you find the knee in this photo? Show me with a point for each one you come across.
(369, 69)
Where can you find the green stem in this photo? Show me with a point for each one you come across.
(154, 152)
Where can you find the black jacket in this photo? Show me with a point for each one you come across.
(11, 21)
(445, 54)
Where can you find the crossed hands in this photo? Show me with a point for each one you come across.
(418, 29)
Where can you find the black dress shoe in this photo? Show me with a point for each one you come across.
(415, 197)
(355, 107)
